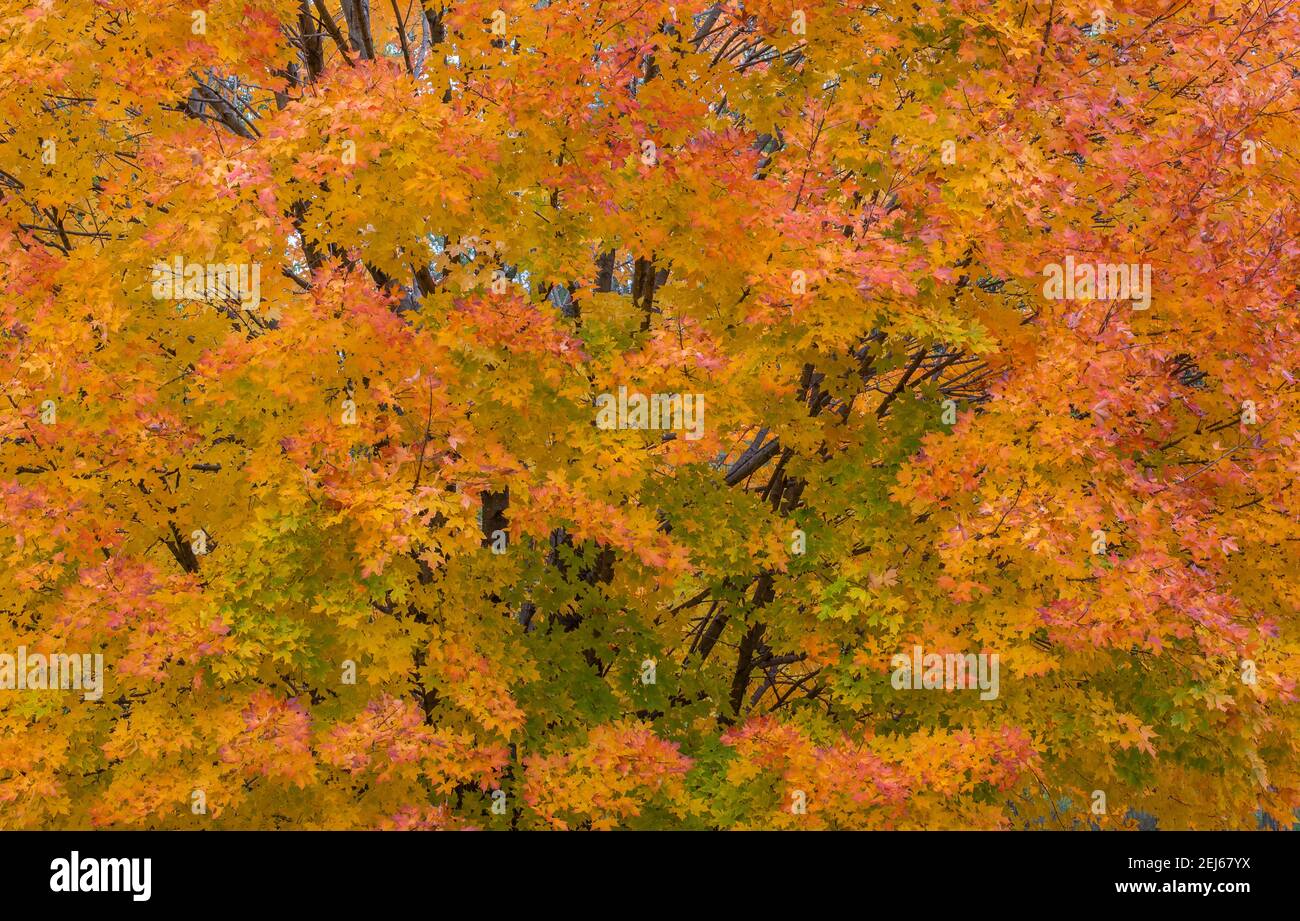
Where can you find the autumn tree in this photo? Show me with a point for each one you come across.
(308, 308)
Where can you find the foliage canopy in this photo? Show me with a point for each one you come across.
(831, 222)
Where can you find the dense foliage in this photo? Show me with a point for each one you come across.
(357, 553)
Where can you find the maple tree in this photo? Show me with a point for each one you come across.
(357, 555)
